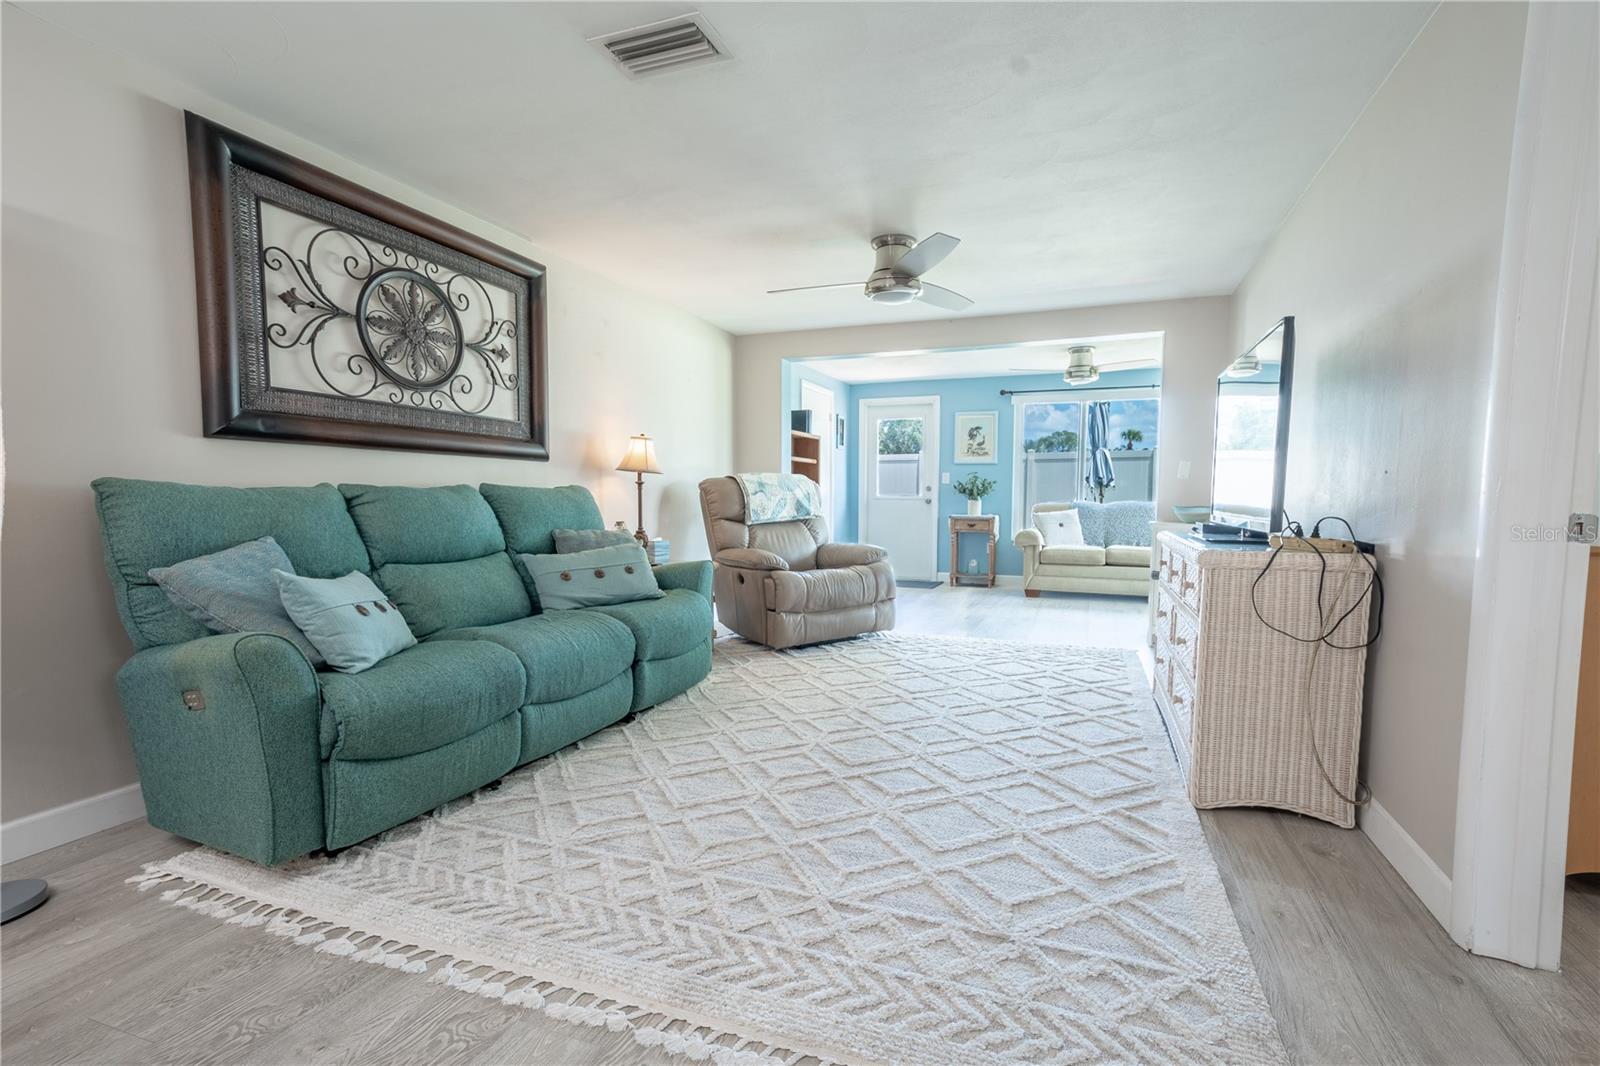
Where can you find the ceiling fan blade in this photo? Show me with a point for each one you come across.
(808, 288)
(927, 254)
(939, 296)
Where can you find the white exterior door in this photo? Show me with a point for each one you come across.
(899, 479)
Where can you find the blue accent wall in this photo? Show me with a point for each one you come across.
(956, 396)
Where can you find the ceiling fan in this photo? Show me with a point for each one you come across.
(1083, 368)
(896, 277)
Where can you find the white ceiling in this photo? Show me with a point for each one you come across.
(1132, 351)
(1085, 153)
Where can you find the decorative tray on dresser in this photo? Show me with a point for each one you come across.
(1251, 710)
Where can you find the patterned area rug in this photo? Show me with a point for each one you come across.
(892, 849)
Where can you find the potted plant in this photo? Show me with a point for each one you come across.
(974, 487)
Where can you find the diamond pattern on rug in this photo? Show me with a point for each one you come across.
(889, 849)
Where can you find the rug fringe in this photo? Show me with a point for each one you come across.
(674, 1036)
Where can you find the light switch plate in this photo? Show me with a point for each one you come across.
(1183, 470)
(944, 479)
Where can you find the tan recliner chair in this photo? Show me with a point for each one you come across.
(783, 583)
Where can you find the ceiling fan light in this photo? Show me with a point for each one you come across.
(1081, 370)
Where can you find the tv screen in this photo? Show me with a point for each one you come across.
(1251, 437)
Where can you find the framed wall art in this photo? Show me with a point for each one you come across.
(329, 313)
(976, 433)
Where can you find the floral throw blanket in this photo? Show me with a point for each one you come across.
(779, 497)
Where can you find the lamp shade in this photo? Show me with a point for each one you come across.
(640, 456)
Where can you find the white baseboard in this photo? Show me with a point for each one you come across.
(1001, 581)
(1415, 867)
(34, 833)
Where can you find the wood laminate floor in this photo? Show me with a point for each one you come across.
(1354, 967)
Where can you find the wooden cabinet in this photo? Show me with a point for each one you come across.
(1251, 711)
(805, 455)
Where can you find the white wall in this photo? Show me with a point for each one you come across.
(1198, 344)
(100, 377)
(1389, 266)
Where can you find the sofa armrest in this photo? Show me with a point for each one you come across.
(750, 559)
(1027, 537)
(225, 732)
(834, 556)
(694, 576)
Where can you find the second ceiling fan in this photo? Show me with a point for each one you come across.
(896, 278)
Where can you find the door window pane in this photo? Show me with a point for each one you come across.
(899, 456)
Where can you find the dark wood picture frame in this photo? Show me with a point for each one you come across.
(216, 155)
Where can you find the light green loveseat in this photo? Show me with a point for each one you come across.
(242, 745)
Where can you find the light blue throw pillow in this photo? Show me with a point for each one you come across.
(582, 540)
(351, 622)
(599, 576)
(233, 591)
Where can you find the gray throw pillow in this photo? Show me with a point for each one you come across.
(232, 591)
(600, 576)
(349, 619)
(582, 540)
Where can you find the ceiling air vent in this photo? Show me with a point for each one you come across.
(657, 47)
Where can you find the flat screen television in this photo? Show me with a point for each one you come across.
(1250, 441)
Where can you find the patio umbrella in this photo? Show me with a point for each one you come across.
(1100, 476)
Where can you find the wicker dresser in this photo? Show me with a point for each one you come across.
(1234, 693)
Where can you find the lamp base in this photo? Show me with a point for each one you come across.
(642, 537)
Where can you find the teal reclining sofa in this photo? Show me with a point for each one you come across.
(242, 745)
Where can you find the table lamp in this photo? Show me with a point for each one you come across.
(640, 459)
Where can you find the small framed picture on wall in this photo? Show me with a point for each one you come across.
(976, 432)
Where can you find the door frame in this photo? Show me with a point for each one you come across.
(826, 449)
(867, 479)
(1508, 878)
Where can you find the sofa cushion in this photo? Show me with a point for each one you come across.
(402, 524)
(597, 577)
(563, 653)
(439, 596)
(582, 540)
(1128, 555)
(663, 628)
(1128, 522)
(439, 554)
(349, 620)
(1059, 526)
(151, 524)
(234, 591)
(1076, 555)
(530, 516)
(421, 699)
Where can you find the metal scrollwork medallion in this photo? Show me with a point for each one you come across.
(336, 313)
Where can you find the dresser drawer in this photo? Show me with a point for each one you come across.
(1180, 696)
(1187, 582)
(970, 524)
(1166, 609)
(1185, 637)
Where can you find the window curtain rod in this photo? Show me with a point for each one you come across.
(1070, 388)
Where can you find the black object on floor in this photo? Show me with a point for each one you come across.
(19, 897)
(917, 584)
